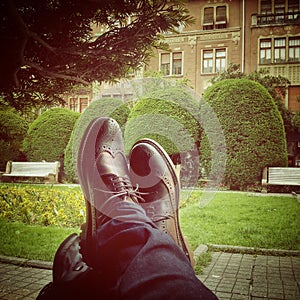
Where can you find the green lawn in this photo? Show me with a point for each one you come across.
(230, 218)
(242, 219)
(32, 242)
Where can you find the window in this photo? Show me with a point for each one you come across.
(279, 50)
(294, 49)
(171, 63)
(220, 17)
(278, 11)
(83, 104)
(220, 60)
(266, 7)
(208, 61)
(213, 61)
(177, 63)
(265, 51)
(293, 6)
(73, 104)
(214, 17)
(208, 20)
(293, 9)
(165, 63)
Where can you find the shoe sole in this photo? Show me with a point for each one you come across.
(175, 205)
(86, 148)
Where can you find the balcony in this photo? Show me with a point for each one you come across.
(290, 18)
(289, 71)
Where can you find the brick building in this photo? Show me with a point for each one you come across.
(254, 34)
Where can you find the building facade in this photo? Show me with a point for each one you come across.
(253, 34)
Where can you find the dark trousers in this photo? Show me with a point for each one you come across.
(135, 261)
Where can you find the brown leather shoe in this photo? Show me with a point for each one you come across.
(153, 172)
(103, 175)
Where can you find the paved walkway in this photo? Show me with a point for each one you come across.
(245, 276)
(230, 276)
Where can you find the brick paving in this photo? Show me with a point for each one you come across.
(247, 276)
(230, 275)
(18, 282)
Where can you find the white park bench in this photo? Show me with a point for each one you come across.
(46, 170)
(280, 176)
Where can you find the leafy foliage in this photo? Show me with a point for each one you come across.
(296, 121)
(13, 129)
(275, 85)
(104, 107)
(49, 46)
(49, 134)
(253, 130)
(165, 115)
(42, 206)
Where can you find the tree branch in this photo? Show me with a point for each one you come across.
(51, 74)
(41, 41)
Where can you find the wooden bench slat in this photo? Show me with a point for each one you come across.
(45, 170)
(27, 175)
(281, 176)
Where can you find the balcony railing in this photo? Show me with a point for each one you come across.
(274, 19)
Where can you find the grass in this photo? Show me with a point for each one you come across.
(32, 242)
(237, 219)
(241, 219)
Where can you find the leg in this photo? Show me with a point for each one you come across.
(133, 258)
(139, 261)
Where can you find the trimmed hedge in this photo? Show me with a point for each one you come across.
(104, 107)
(13, 129)
(49, 134)
(168, 116)
(253, 130)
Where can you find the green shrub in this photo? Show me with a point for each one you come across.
(296, 120)
(49, 134)
(13, 129)
(42, 206)
(104, 107)
(253, 130)
(167, 117)
(170, 117)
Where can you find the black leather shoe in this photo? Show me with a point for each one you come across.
(68, 265)
(104, 177)
(72, 278)
(152, 170)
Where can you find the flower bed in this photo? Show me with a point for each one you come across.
(43, 206)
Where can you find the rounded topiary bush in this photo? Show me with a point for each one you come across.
(13, 129)
(49, 134)
(253, 130)
(104, 107)
(168, 116)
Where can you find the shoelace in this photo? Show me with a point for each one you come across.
(122, 188)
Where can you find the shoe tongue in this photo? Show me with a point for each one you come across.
(108, 165)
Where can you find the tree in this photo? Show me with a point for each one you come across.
(296, 121)
(48, 135)
(13, 129)
(275, 85)
(48, 46)
(168, 115)
(253, 130)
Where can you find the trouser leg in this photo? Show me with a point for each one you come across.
(138, 261)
